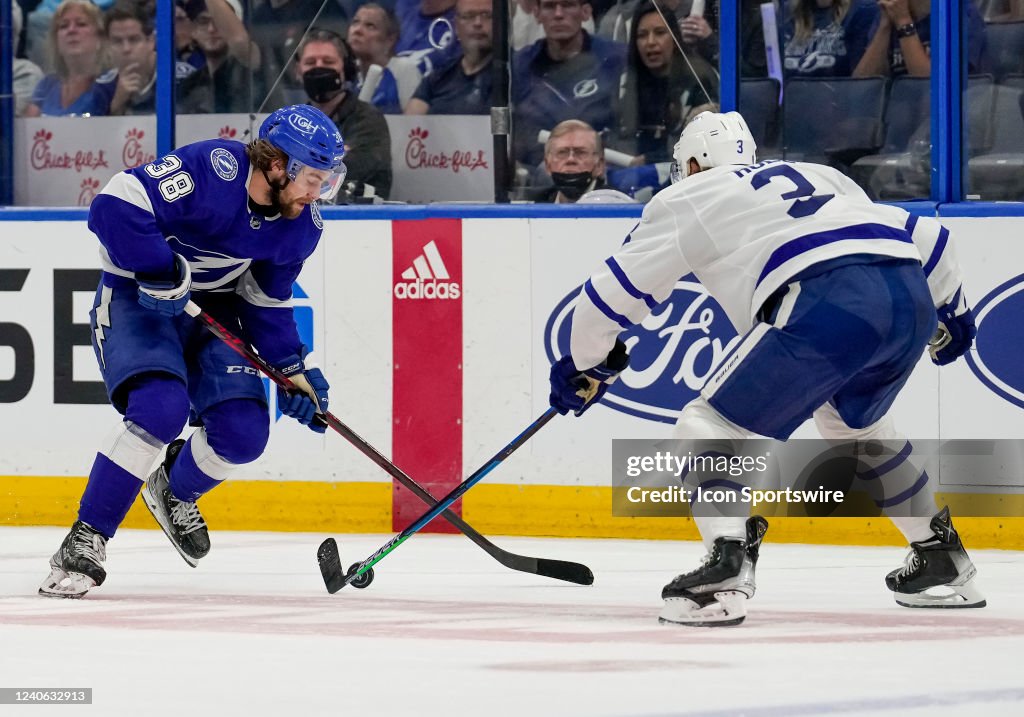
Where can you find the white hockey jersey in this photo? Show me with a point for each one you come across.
(746, 231)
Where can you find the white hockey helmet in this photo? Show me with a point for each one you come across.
(713, 139)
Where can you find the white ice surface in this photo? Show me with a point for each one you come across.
(445, 630)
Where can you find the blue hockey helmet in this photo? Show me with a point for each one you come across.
(313, 144)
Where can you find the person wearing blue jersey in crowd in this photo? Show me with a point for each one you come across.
(567, 75)
(79, 86)
(901, 44)
(463, 86)
(228, 226)
(837, 299)
(826, 38)
(427, 33)
(385, 81)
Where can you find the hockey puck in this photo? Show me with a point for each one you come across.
(362, 581)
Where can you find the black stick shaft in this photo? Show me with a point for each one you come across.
(557, 569)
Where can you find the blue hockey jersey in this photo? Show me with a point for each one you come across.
(194, 202)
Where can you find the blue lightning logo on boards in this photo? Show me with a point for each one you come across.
(303, 313)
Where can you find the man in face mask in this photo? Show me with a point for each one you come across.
(574, 158)
(326, 68)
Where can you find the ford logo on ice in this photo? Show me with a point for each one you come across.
(672, 352)
(995, 359)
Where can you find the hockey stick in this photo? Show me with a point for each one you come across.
(546, 567)
(362, 573)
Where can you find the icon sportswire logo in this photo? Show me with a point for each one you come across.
(427, 278)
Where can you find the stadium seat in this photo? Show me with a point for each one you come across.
(999, 175)
(759, 105)
(833, 120)
(1005, 44)
(902, 170)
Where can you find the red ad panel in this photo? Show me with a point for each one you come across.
(427, 389)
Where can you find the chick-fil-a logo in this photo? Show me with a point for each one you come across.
(87, 191)
(42, 157)
(672, 352)
(227, 132)
(417, 156)
(133, 154)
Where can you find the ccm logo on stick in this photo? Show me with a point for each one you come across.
(427, 278)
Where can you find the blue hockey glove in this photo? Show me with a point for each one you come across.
(309, 399)
(575, 390)
(166, 293)
(956, 330)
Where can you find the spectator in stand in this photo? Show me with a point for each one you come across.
(427, 33)
(277, 26)
(184, 42)
(526, 27)
(326, 69)
(574, 157)
(463, 86)
(659, 86)
(26, 74)
(372, 35)
(132, 45)
(568, 75)
(902, 42)
(79, 86)
(230, 80)
(826, 38)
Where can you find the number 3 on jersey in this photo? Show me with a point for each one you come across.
(807, 202)
(175, 186)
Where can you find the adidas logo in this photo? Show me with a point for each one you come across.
(427, 278)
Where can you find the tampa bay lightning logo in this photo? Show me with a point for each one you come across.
(314, 209)
(224, 164)
(440, 33)
(995, 359)
(585, 88)
(672, 352)
(210, 269)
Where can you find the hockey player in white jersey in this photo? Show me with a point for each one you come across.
(836, 298)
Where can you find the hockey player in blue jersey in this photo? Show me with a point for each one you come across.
(228, 226)
(836, 298)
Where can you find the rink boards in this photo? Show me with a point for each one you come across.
(436, 329)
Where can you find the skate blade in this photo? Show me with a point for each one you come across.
(71, 586)
(952, 597)
(152, 504)
(729, 610)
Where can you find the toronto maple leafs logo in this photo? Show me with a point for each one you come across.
(211, 270)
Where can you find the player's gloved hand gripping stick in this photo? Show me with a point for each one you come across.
(557, 569)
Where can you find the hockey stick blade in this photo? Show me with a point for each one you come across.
(329, 558)
(556, 569)
(564, 570)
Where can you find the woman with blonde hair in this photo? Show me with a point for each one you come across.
(78, 87)
(826, 38)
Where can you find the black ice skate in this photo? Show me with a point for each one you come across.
(180, 520)
(940, 563)
(77, 566)
(715, 594)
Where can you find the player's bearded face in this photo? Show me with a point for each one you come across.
(287, 197)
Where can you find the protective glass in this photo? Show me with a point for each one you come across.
(324, 183)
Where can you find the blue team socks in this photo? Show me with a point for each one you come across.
(108, 496)
(187, 481)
